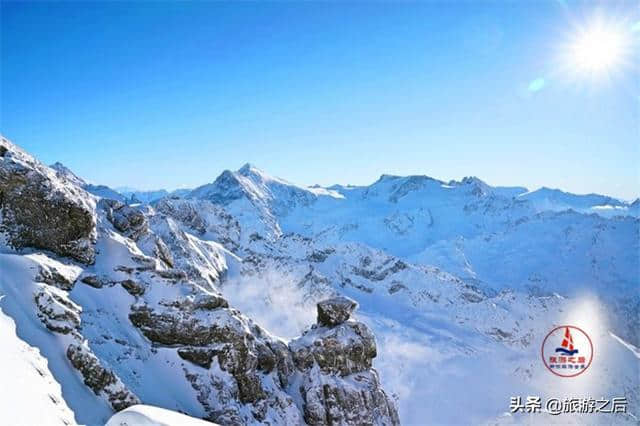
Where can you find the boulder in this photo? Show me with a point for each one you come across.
(133, 288)
(335, 311)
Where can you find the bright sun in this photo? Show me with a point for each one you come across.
(599, 48)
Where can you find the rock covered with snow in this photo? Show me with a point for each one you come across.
(253, 367)
(99, 379)
(339, 385)
(42, 210)
(335, 311)
(129, 220)
(356, 400)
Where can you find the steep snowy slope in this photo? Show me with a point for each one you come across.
(29, 394)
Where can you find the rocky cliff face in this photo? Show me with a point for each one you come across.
(337, 382)
(135, 304)
(41, 210)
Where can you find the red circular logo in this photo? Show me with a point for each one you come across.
(567, 351)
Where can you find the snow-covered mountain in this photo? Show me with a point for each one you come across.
(136, 196)
(126, 195)
(102, 191)
(458, 281)
(547, 199)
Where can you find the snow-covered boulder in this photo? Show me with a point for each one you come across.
(335, 311)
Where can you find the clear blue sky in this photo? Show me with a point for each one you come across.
(169, 94)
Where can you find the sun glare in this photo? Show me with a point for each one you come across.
(598, 49)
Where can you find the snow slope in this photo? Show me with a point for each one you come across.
(148, 415)
(29, 394)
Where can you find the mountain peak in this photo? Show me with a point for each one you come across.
(247, 167)
(251, 171)
(66, 172)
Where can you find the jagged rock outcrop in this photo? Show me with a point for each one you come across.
(100, 379)
(42, 210)
(253, 367)
(339, 385)
(60, 276)
(56, 311)
(232, 363)
(130, 221)
(343, 349)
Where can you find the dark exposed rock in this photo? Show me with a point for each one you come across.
(130, 221)
(42, 211)
(123, 268)
(240, 347)
(132, 287)
(345, 349)
(396, 287)
(330, 401)
(266, 358)
(93, 281)
(499, 334)
(205, 301)
(379, 275)
(335, 311)
(339, 385)
(472, 297)
(173, 274)
(240, 373)
(146, 263)
(319, 256)
(198, 356)
(186, 213)
(99, 379)
(163, 253)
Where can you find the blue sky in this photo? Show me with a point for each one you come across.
(170, 94)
